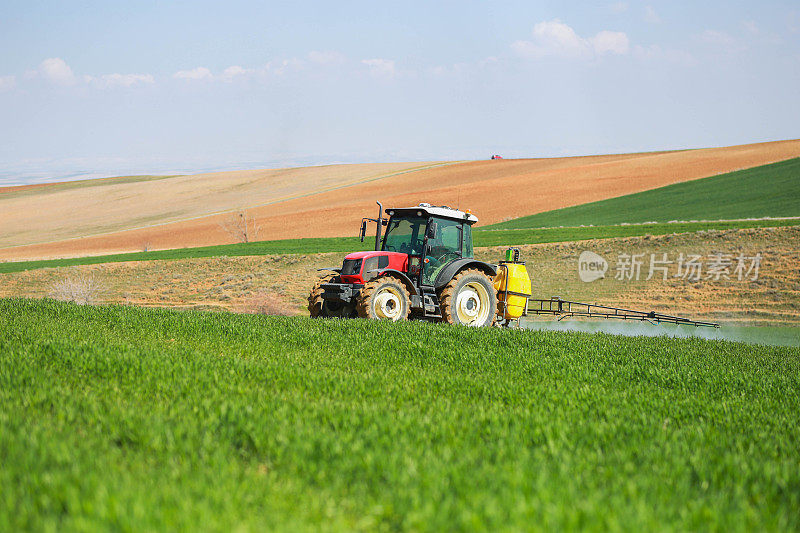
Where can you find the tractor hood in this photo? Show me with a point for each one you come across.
(360, 266)
(373, 253)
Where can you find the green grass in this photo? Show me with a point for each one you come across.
(765, 191)
(286, 246)
(117, 418)
(504, 237)
(352, 244)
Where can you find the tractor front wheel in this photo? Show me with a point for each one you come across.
(320, 308)
(469, 299)
(384, 298)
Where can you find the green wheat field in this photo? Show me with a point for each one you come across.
(130, 419)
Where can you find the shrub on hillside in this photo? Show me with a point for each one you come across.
(83, 290)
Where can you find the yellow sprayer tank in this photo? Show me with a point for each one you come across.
(513, 286)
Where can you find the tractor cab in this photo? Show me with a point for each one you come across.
(431, 237)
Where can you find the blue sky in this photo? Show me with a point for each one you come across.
(113, 88)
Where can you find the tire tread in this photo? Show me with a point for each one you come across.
(364, 301)
(447, 295)
(315, 296)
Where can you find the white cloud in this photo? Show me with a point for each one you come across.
(717, 37)
(7, 82)
(720, 42)
(197, 73)
(56, 70)
(326, 57)
(235, 71)
(751, 27)
(555, 39)
(281, 67)
(119, 80)
(793, 21)
(619, 7)
(455, 69)
(383, 68)
(615, 42)
(651, 16)
(656, 53)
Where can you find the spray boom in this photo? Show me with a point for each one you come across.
(566, 309)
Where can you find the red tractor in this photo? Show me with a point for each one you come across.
(422, 267)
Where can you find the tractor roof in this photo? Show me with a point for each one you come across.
(437, 211)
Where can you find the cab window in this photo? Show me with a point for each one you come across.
(405, 234)
(468, 252)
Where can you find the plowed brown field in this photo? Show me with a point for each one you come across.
(329, 201)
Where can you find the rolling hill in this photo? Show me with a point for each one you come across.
(765, 191)
(185, 211)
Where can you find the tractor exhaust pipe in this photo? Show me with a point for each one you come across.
(380, 224)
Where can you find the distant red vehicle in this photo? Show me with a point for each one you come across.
(497, 157)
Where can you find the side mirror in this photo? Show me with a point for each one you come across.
(363, 229)
(433, 228)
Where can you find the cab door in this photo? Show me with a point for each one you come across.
(442, 247)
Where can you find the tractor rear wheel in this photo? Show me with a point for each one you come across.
(320, 308)
(384, 298)
(469, 299)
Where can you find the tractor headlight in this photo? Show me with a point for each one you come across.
(351, 267)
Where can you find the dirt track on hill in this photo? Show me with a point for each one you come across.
(494, 190)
